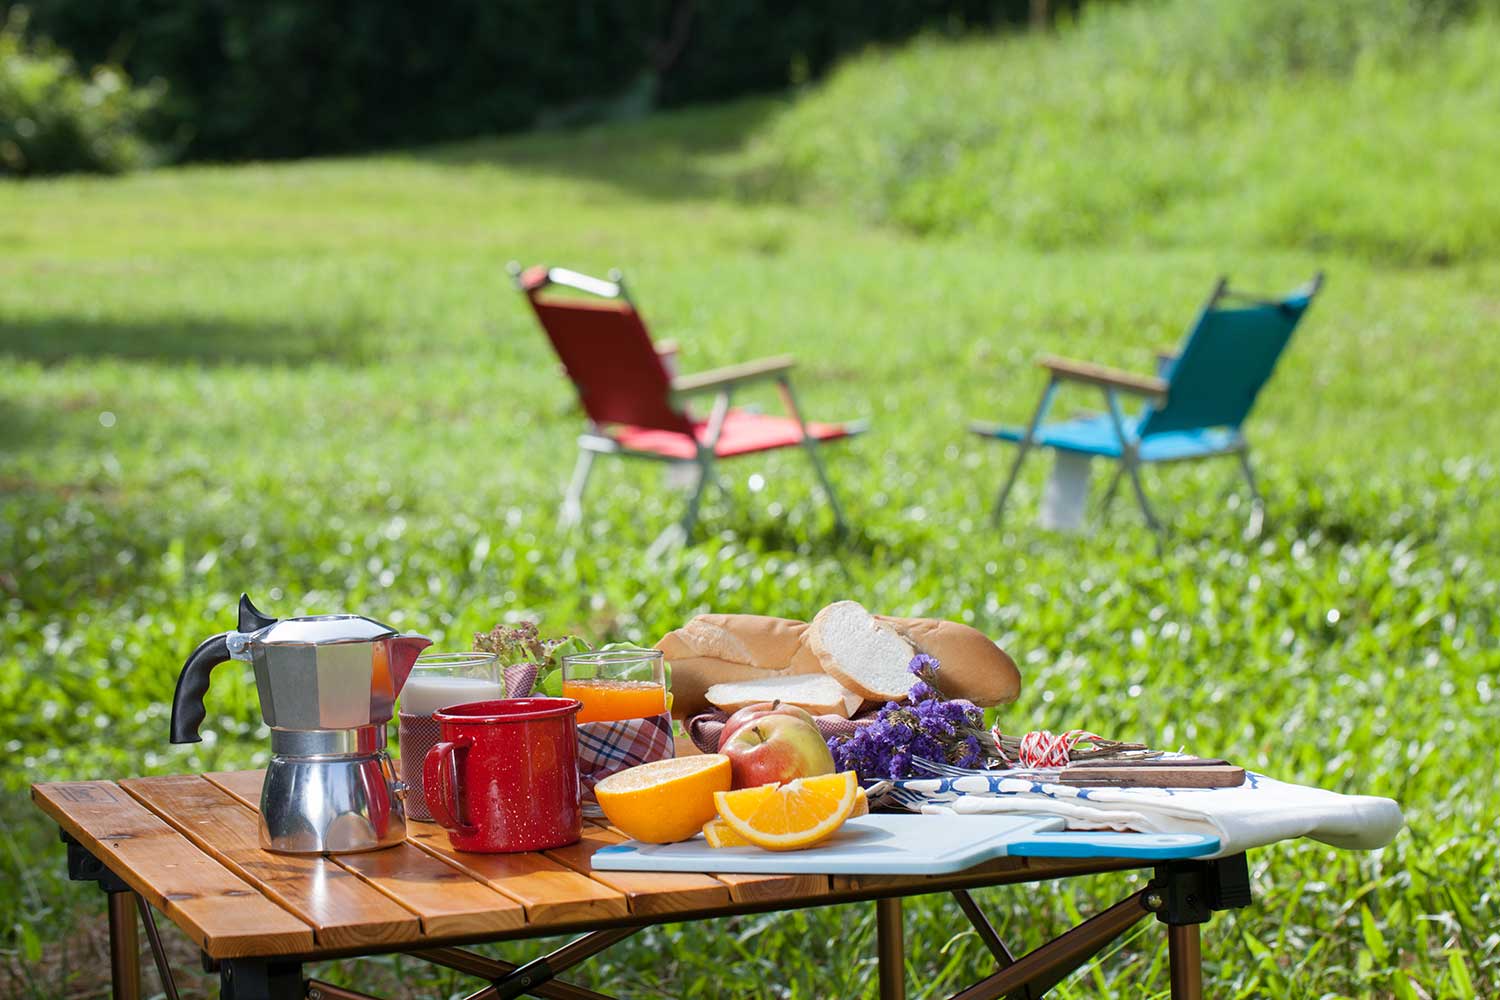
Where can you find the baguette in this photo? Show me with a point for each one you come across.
(971, 666)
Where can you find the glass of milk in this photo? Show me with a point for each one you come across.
(437, 681)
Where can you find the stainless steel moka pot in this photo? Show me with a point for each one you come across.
(328, 685)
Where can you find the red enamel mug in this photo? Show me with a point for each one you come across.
(505, 775)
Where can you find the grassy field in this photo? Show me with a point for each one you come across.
(314, 382)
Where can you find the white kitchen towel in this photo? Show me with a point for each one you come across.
(1260, 811)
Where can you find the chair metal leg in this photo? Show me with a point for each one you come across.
(1257, 502)
(572, 508)
(1133, 466)
(1114, 487)
(890, 949)
(1023, 448)
(679, 533)
(690, 517)
(811, 445)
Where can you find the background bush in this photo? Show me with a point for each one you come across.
(1364, 125)
(267, 78)
(55, 118)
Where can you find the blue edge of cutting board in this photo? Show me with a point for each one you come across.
(909, 844)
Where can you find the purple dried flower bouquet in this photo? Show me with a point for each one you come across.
(927, 725)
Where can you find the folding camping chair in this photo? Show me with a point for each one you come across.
(1195, 405)
(634, 404)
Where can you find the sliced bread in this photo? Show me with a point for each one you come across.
(868, 657)
(818, 693)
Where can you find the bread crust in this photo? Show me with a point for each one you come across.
(971, 665)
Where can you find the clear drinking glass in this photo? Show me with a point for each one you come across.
(616, 684)
(437, 681)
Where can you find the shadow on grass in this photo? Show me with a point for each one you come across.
(665, 157)
(205, 340)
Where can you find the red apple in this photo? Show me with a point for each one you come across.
(759, 710)
(774, 749)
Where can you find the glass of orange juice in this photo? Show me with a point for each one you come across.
(616, 684)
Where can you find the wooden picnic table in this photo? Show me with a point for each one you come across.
(186, 846)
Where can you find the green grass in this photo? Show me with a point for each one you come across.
(1361, 126)
(320, 388)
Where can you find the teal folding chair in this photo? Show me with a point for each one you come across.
(1195, 405)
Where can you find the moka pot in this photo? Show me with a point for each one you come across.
(328, 686)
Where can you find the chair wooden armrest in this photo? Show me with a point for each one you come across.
(732, 375)
(1100, 375)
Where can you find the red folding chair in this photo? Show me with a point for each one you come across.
(635, 407)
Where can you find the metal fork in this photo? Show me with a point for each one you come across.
(942, 769)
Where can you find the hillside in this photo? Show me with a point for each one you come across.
(1369, 127)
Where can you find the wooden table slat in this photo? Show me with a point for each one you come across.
(343, 910)
(646, 892)
(742, 888)
(550, 892)
(222, 913)
(447, 900)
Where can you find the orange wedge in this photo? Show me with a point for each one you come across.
(665, 800)
(795, 815)
(719, 833)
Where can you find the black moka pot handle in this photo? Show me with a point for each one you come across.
(192, 685)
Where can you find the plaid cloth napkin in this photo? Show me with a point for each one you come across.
(704, 729)
(607, 747)
(520, 679)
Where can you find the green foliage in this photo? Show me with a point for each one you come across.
(272, 78)
(55, 119)
(333, 398)
(1368, 126)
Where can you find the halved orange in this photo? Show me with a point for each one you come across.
(665, 800)
(719, 833)
(795, 815)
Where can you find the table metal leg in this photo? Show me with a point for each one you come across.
(984, 928)
(124, 947)
(1185, 953)
(890, 949)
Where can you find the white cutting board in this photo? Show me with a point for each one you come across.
(866, 845)
(908, 844)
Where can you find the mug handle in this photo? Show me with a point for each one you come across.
(440, 781)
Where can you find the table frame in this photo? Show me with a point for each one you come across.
(1182, 895)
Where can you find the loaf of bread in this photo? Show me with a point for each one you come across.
(862, 652)
(721, 649)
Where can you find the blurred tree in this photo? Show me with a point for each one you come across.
(269, 78)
